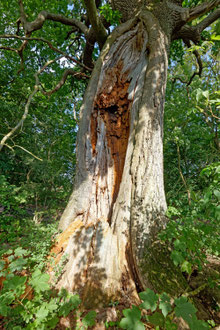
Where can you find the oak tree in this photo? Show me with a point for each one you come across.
(118, 202)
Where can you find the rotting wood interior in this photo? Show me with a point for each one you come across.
(114, 109)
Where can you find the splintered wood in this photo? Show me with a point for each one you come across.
(113, 107)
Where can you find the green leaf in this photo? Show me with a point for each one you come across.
(39, 281)
(131, 321)
(42, 313)
(14, 283)
(206, 94)
(186, 267)
(217, 194)
(53, 322)
(75, 301)
(196, 324)
(177, 257)
(17, 264)
(52, 305)
(150, 300)
(165, 308)
(89, 319)
(7, 298)
(2, 264)
(179, 245)
(170, 325)
(156, 319)
(20, 252)
(164, 304)
(4, 309)
(184, 309)
(68, 306)
(215, 37)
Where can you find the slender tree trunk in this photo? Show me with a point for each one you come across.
(118, 203)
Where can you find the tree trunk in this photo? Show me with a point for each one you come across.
(118, 203)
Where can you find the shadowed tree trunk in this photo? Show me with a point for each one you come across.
(118, 203)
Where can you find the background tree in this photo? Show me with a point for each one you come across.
(118, 203)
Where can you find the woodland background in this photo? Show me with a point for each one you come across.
(37, 164)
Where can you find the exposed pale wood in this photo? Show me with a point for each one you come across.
(100, 262)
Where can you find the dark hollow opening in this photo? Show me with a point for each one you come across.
(113, 109)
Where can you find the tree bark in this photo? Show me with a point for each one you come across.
(118, 203)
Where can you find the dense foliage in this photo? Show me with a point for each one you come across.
(38, 161)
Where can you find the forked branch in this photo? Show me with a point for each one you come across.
(193, 33)
(68, 72)
(26, 109)
(96, 22)
(202, 9)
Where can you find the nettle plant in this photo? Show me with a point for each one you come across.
(27, 301)
(160, 311)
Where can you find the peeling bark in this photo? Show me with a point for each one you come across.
(118, 203)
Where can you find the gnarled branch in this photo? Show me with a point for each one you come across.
(208, 20)
(202, 9)
(43, 16)
(193, 33)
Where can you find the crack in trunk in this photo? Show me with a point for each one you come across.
(113, 108)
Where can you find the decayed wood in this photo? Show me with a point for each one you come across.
(119, 196)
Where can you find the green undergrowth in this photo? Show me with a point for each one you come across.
(192, 231)
(28, 300)
(160, 311)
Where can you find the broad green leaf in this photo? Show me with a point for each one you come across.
(39, 281)
(7, 297)
(53, 322)
(170, 325)
(42, 313)
(75, 301)
(150, 300)
(131, 321)
(17, 264)
(52, 305)
(4, 309)
(186, 267)
(2, 264)
(196, 324)
(184, 309)
(217, 193)
(20, 252)
(89, 319)
(177, 257)
(206, 94)
(215, 37)
(180, 245)
(156, 319)
(165, 308)
(15, 282)
(68, 306)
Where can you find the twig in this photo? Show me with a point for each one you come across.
(68, 72)
(181, 175)
(196, 291)
(12, 36)
(26, 109)
(16, 145)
